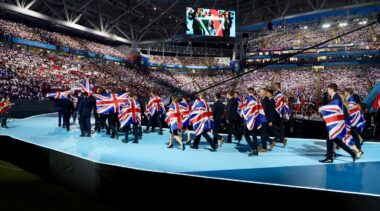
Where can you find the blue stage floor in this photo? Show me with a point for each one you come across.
(296, 166)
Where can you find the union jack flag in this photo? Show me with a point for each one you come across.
(86, 87)
(253, 113)
(110, 103)
(175, 116)
(348, 139)
(282, 107)
(201, 117)
(242, 102)
(130, 113)
(185, 107)
(356, 116)
(155, 104)
(57, 95)
(333, 115)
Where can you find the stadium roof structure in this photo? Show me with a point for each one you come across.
(139, 21)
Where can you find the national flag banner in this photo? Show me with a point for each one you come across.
(282, 107)
(86, 87)
(348, 139)
(356, 115)
(253, 113)
(110, 103)
(155, 104)
(57, 95)
(185, 107)
(376, 103)
(333, 116)
(174, 117)
(201, 117)
(242, 102)
(130, 113)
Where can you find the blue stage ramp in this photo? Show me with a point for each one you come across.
(294, 166)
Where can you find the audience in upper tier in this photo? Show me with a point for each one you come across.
(190, 61)
(22, 31)
(310, 34)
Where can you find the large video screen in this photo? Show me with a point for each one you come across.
(210, 22)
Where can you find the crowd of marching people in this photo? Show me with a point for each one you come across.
(260, 112)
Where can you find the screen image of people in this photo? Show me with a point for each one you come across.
(210, 22)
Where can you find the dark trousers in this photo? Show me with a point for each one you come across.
(60, 115)
(74, 115)
(339, 142)
(85, 125)
(155, 118)
(4, 117)
(355, 135)
(264, 135)
(215, 132)
(208, 138)
(112, 124)
(247, 135)
(233, 128)
(135, 131)
(140, 131)
(66, 120)
(275, 132)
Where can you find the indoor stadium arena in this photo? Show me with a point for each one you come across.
(117, 104)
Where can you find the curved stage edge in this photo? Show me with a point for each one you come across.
(115, 183)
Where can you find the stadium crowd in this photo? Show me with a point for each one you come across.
(35, 34)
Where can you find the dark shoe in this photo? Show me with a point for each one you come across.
(326, 160)
(170, 146)
(334, 155)
(140, 137)
(135, 142)
(193, 147)
(183, 147)
(82, 135)
(285, 142)
(353, 155)
(113, 136)
(263, 150)
(188, 142)
(228, 141)
(213, 150)
(146, 131)
(253, 153)
(124, 141)
(160, 133)
(88, 135)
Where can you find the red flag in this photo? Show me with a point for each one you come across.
(376, 103)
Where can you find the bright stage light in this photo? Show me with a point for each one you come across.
(344, 24)
(326, 25)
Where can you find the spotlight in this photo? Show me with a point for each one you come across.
(326, 25)
(363, 22)
(344, 24)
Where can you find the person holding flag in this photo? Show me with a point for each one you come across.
(335, 116)
(175, 119)
(155, 109)
(202, 120)
(131, 115)
(356, 117)
(282, 107)
(186, 119)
